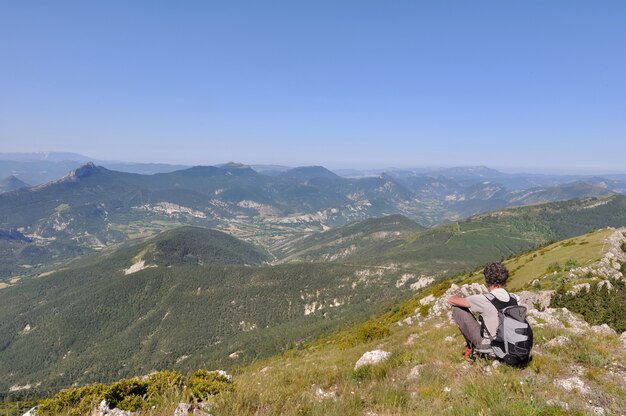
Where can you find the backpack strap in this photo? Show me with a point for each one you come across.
(499, 305)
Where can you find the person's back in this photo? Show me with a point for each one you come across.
(491, 337)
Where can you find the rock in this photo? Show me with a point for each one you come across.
(326, 394)
(623, 338)
(183, 409)
(573, 383)
(372, 357)
(415, 372)
(449, 339)
(603, 329)
(225, 374)
(31, 412)
(411, 339)
(555, 318)
(558, 403)
(558, 341)
(596, 410)
(441, 306)
(104, 410)
(427, 300)
(533, 300)
(265, 370)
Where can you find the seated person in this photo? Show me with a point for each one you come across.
(496, 276)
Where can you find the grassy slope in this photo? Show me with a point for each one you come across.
(584, 249)
(290, 383)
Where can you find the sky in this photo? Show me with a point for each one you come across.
(529, 85)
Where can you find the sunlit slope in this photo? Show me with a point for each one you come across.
(499, 234)
(187, 298)
(342, 242)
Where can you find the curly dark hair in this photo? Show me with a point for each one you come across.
(496, 274)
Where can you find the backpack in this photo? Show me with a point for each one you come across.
(514, 337)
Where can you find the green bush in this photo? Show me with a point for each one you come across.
(598, 304)
(203, 383)
(554, 267)
(74, 401)
(571, 264)
(127, 394)
(163, 381)
(371, 331)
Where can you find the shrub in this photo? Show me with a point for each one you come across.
(74, 401)
(598, 305)
(203, 383)
(163, 381)
(572, 264)
(127, 394)
(554, 267)
(371, 331)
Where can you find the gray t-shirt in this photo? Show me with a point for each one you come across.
(480, 304)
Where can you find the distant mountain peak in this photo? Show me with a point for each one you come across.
(84, 171)
(234, 165)
(310, 172)
(12, 183)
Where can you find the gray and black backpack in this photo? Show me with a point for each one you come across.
(514, 337)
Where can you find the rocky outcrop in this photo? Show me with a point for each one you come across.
(371, 358)
(104, 410)
(608, 267)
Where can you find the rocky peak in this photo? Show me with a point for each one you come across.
(88, 169)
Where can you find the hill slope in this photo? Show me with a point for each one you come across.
(343, 241)
(186, 298)
(576, 368)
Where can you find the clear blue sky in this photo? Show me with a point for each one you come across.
(531, 84)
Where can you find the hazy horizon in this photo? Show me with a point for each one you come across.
(339, 168)
(533, 85)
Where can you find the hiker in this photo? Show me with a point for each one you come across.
(485, 337)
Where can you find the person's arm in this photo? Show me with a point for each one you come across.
(458, 301)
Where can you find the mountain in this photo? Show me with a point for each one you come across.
(93, 207)
(573, 190)
(43, 167)
(341, 242)
(12, 183)
(132, 310)
(198, 246)
(576, 365)
(183, 299)
(309, 172)
(460, 246)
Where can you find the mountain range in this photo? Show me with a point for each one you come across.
(93, 207)
(192, 297)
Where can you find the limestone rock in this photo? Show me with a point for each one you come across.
(372, 357)
(31, 412)
(573, 383)
(603, 329)
(533, 299)
(558, 403)
(415, 371)
(558, 341)
(104, 410)
(186, 409)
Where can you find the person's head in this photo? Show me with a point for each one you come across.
(496, 274)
